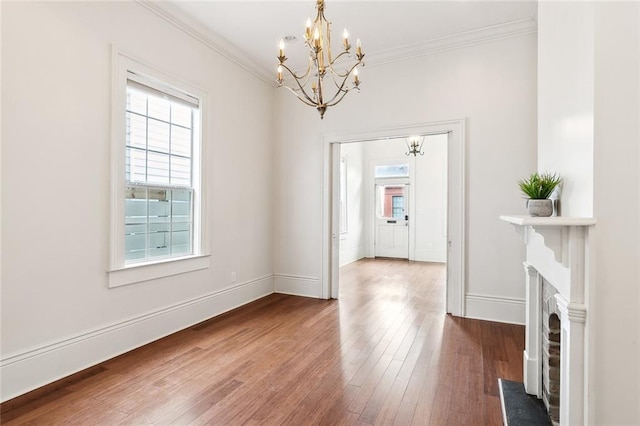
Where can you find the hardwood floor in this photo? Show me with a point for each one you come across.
(385, 353)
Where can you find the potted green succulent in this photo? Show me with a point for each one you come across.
(538, 188)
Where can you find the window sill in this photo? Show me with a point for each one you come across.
(132, 274)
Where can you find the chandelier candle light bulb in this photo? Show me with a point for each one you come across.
(310, 86)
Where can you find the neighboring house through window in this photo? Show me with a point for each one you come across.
(397, 202)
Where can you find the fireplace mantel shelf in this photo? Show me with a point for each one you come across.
(554, 230)
(553, 221)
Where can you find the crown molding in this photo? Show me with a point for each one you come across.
(213, 41)
(225, 48)
(491, 33)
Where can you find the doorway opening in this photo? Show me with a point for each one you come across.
(394, 220)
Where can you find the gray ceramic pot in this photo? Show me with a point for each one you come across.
(543, 208)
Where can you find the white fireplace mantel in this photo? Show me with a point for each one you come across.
(558, 250)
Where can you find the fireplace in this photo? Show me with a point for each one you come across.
(551, 343)
(558, 274)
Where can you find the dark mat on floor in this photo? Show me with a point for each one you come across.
(519, 408)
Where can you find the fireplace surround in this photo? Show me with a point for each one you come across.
(558, 276)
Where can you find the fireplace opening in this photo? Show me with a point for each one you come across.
(551, 366)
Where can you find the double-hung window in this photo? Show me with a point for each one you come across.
(160, 131)
(157, 227)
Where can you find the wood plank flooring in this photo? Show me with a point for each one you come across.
(384, 354)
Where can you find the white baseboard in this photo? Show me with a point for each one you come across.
(298, 285)
(29, 370)
(491, 308)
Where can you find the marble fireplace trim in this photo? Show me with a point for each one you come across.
(558, 250)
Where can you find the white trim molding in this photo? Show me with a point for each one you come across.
(533, 337)
(297, 285)
(214, 42)
(28, 370)
(487, 34)
(190, 26)
(493, 308)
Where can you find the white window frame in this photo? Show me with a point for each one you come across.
(121, 273)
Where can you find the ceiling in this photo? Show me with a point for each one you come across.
(388, 30)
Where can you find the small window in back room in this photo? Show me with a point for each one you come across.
(397, 170)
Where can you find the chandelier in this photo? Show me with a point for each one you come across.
(414, 145)
(321, 93)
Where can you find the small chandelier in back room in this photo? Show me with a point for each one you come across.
(321, 93)
(414, 145)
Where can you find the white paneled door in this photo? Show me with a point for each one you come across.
(392, 220)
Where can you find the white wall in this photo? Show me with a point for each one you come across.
(493, 85)
(430, 199)
(610, 37)
(616, 302)
(58, 316)
(565, 100)
(352, 243)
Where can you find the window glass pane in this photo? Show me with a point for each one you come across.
(390, 201)
(181, 115)
(135, 165)
(181, 221)
(398, 206)
(180, 141)
(159, 206)
(136, 101)
(180, 171)
(181, 242)
(157, 168)
(159, 235)
(136, 130)
(158, 136)
(135, 210)
(159, 108)
(401, 170)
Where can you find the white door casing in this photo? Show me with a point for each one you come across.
(456, 217)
